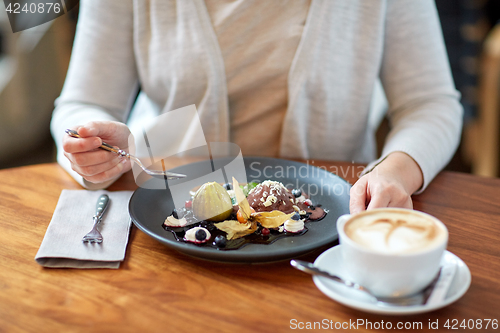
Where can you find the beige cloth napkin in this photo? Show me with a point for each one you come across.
(62, 245)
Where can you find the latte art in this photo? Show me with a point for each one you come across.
(395, 233)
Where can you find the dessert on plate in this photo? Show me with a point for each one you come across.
(229, 216)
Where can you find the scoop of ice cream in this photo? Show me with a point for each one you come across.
(294, 225)
(192, 236)
(269, 196)
(171, 221)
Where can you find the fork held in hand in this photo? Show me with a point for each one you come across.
(94, 236)
(122, 153)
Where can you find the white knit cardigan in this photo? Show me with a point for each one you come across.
(170, 47)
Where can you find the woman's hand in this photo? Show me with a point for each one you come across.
(390, 184)
(94, 164)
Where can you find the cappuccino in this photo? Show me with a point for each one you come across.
(391, 251)
(395, 232)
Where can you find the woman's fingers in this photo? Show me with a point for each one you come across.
(358, 196)
(102, 172)
(378, 191)
(94, 133)
(93, 157)
(93, 170)
(105, 176)
(387, 192)
(102, 129)
(404, 203)
(390, 184)
(79, 145)
(380, 196)
(96, 165)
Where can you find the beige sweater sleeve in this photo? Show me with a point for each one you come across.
(424, 111)
(102, 76)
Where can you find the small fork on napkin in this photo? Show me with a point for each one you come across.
(62, 244)
(94, 236)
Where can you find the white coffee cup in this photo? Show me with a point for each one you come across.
(392, 251)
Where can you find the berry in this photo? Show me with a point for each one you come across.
(178, 214)
(188, 204)
(265, 232)
(200, 235)
(297, 192)
(227, 186)
(220, 241)
(296, 216)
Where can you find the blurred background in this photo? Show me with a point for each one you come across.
(33, 65)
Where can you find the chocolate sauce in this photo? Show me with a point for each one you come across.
(255, 238)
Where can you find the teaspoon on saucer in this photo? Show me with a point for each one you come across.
(154, 173)
(415, 299)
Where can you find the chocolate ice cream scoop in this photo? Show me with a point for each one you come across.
(269, 196)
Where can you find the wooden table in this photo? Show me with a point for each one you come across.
(158, 289)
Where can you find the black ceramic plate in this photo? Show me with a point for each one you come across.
(149, 209)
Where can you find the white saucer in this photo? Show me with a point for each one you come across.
(331, 261)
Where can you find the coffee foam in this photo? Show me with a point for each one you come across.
(395, 232)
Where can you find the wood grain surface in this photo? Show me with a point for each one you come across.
(158, 289)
